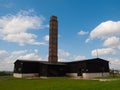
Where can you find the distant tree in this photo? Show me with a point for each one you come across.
(5, 73)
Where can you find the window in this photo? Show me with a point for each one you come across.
(19, 69)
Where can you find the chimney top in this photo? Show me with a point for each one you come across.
(53, 18)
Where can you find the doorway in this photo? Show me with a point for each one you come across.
(79, 72)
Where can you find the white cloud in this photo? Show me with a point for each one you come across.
(62, 53)
(17, 53)
(105, 30)
(36, 50)
(79, 57)
(31, 56)
(23, 38)
(112, 42)
(46, 37)
(3, 54)
(14, 28)
(65, 56)
(87, 40)
(114, 63)
(82, 33)
(7, 62)
(103, 51)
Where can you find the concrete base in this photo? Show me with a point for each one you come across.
(74, 75)
(87, 75)
(71, 74)
(23, 75)
(93, 75)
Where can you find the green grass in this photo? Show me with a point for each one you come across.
(10, 83)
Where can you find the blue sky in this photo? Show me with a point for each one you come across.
(86, 27)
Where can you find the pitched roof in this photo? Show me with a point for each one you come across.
(43, 62)
(59, 63)
(87, 60)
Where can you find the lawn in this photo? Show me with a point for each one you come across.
(10, 83)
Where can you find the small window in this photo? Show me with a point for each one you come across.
(19, 69)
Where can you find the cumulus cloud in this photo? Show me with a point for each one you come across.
(14, 28)
(17, 53)
(79, 57)
(114, 63)
(103, 51)
(82, 33)
(104, 30)
(22, 38)
(62, 53)
(65, 56)
(31, 56)
(113, 42)
(7, 62)
(3, 53)
(36, 50)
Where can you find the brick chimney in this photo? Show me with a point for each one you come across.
(53, 40)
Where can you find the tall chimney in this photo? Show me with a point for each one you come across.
(53, 40)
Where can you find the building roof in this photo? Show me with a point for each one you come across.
(60, 63)
(22, 60)
(43, 62)
(87, 60)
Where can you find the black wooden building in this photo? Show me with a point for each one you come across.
(94, 67)
(38, 68)
(90, 66)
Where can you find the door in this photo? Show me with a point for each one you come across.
(79, 72)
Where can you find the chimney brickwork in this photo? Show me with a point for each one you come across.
(53, 40)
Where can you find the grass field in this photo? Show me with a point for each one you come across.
(10, 83)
